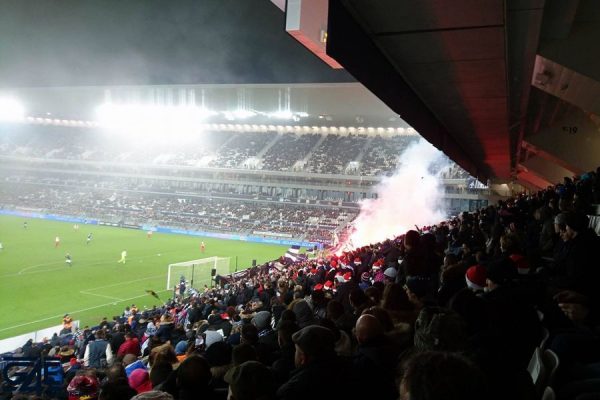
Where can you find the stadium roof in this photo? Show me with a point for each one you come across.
(325, 104)
(508, 89)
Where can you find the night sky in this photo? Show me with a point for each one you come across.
(142, 42)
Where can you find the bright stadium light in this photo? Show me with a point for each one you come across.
(11, 110)
(238, 114)
(282, 114)
(137, 119)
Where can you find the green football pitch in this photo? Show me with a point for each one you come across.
(37, 287)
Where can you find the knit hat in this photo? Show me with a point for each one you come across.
(83, 387)
(475, 277)
(365, 277)
(560, 219)
(250, 380)
(418, 285)
(390, 272)
(219, 354)
(315, 341)
(181, 347)
(262, 319)
(139, 380)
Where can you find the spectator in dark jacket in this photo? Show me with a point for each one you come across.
(320, 374)
(165, 328)
(375, 360)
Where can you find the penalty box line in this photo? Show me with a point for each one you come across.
(87, 291)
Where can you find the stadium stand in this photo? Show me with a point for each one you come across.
(490, 285)
(212, 213)
(193, 181)
(373, 155)
(289, 149)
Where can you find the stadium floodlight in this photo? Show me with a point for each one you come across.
(282, 114)
(238, 114)
(141, 119)
(11, 110)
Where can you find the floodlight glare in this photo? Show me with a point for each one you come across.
(11, 110)
(139, 119)
(281, 114)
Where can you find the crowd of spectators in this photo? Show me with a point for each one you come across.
(382, 156)
(240, 148)
(501, 303)
(336, 154)
(197, 213)
(290, 148)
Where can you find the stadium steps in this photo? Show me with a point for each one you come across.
(269, 145)
(345, 222)
(226, 143)
(358, 159)
(315, 147)
(364, 150)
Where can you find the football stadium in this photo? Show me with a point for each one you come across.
(284, 199)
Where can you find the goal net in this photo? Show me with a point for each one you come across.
(197, 272)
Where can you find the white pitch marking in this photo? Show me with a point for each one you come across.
(76, 311)
(126, 282)
(100, 295)
(23, 271)
(36, 266)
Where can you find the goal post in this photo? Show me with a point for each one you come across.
(197, 272)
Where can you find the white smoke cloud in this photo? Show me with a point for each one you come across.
(412, 196)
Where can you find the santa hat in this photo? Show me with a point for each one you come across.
(328, 285)
(357, 261)
(377, 264)
(475, 277)
(333, 264)
(347, 276)
(521, 263)
(318, 286)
